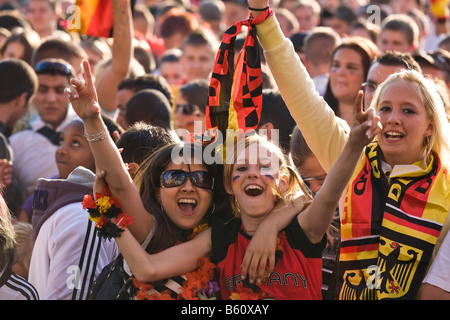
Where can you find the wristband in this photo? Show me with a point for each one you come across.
(254, 9)
(102, 211)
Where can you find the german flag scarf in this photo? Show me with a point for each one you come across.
(389, 229)
(235, 95)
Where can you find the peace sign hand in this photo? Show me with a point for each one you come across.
(366, 124)
(83, 96)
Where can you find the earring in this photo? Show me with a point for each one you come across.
(213, 209)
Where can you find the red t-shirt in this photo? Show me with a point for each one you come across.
(297, 274)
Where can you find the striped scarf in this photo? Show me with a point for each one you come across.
(389, 228)
(235, 94)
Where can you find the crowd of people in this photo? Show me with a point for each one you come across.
(341, 192)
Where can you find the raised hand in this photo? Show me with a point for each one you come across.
(366, 124)
(83, 96)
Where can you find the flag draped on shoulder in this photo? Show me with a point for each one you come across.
(235, 92)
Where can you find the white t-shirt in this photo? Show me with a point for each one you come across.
(66, 247)
(439, 273)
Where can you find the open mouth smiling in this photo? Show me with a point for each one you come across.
(392, 135)
(187, 204)
(253, 190)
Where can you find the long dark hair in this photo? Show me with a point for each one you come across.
(147, 180)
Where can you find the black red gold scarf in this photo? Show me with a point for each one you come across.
(235, 95)
(389, 229)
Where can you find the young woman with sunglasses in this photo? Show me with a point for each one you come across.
(169, 200)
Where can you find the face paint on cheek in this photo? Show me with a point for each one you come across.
(269, 180)
(236, 180)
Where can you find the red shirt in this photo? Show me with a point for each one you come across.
(297, 274)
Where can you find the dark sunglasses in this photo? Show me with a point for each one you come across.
(53, 68)
(176, 178)
(186, 109)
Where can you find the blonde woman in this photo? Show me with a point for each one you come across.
(394, 215)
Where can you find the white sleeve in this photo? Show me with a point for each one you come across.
(439, 273)
(68, 255)
(65, 246)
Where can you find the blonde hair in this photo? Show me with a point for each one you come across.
(25, 243)
(439, 140)
(7, 235)
(295, 185)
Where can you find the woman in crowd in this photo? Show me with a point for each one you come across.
(350, 64)
(401, 181)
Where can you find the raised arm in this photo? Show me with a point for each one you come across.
(122, 51)
(316, 219)
(84, 100)
(325, 133)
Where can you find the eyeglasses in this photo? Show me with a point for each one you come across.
(176, 178)
(186, 109)
(53, 68)
(369, 86)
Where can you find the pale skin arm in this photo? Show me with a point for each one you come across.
(122, 51)
(316, 219)
(260, 253)
(257, 4)
(171, 262)
(83, 98)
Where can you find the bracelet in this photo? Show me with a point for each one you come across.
(254, 9)
(102, 135)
